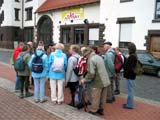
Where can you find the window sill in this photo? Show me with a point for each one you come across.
(28, 1)
(28, 20)
(156, 21)
(17, 1)
(124, 1)
(17, 20)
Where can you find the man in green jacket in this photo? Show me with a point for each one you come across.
(99, 80)
(109, 64)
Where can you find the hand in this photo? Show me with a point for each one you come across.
(81, 81)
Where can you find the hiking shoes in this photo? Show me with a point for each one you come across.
(28, 94)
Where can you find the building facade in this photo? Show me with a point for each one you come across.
(135, 21)
(82, 22)
(17, 21)
(70, 22)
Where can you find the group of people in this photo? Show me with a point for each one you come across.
(96, 70)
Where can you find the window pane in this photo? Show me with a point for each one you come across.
(125, 32)
(66, 36)
(157, 10)
(94, 34)
(79, 35)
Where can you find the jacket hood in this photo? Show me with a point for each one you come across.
(58, 52)
(76, 55)
(111, 50)
(39, 52)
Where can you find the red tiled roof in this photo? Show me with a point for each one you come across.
(56, 4)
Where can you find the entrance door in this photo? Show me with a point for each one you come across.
(155, 46)
(45, 29)
(79, 36)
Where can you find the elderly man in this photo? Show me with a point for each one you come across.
(109, 64)
(98, 76)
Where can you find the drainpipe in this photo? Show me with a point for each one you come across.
(23, 20)
(35, 28)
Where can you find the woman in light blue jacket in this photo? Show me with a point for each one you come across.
(39, 77)
(57, 68)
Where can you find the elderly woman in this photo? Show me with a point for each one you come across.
(71, 78)
(39, 75)
(130, 75)
(57, 68)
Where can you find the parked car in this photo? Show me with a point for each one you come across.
(150, 63)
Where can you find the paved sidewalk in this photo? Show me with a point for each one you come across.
(142, 111)
(13, 108)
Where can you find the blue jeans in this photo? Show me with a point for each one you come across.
(130, 99)
(17, 86)
(39, 88)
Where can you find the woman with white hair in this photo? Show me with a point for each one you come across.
(57, 68)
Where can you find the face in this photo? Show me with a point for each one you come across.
(21, 46)
(117, 51)
(52, 49)
(30, 44)
(71, 50)
(106, 47)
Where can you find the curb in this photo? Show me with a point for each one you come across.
(143, 100)
(6, 50)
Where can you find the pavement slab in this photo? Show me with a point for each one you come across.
(13, 108)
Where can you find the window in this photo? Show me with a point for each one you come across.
(81, 34)
(1, 37)
(157, 11)
(125, 30)
(66, 35)
(1, 2)
(122, 1)
(29, 13)
(93, 36)
(28, 34)
(16, 14)
(125, 34)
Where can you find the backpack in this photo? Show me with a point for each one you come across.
(138, 70)
(19, 64)
(81, 99)
(58, 64)
(118, 63)
(37, 64)
(81, 67)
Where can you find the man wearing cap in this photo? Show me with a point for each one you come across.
(109, 64)
(99, 80)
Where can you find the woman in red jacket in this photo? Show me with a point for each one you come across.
(16, 52)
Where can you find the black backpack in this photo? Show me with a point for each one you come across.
(37, 64)
(81, 99)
